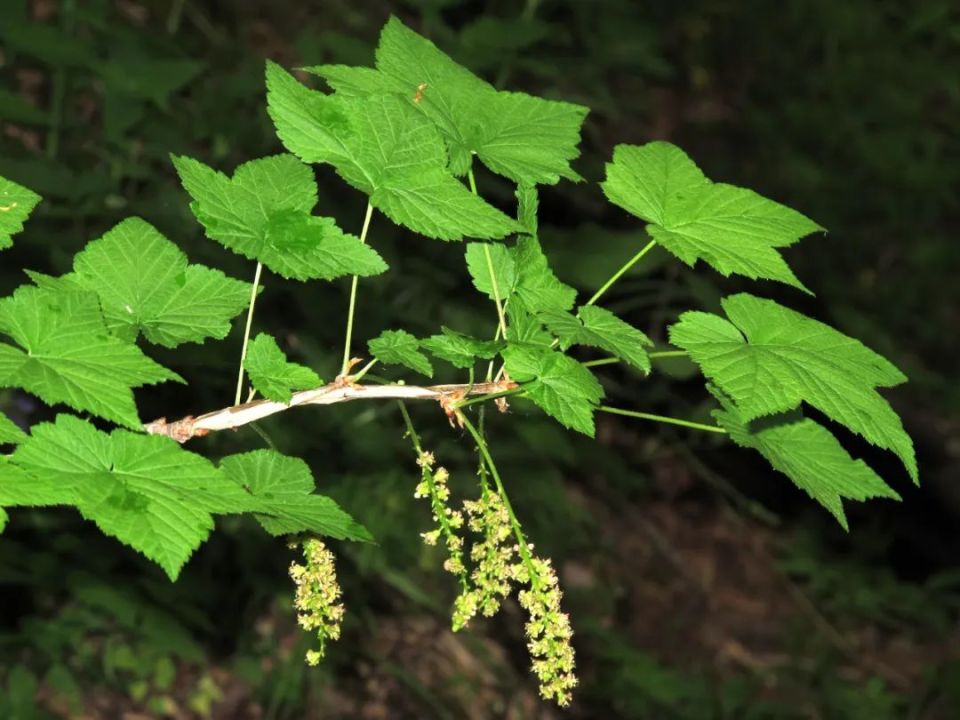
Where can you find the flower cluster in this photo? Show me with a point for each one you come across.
(494, 558)
(548, 632)
(317, 596)
(433, 485)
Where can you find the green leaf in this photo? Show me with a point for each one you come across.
(144, 490)
(504, 268)
(459, 350)
(768, 359)
(600, 328)
(537, 287)
(525, 138)
(272, 374)
(70, 357)
(263, 213)
(528, 205)
(398, 347)
(808, 454)
(284, 487)
(558, 384)
(523, 276)
(16, 204)
(383, 147)
(10, 433)
(145, 285)
(732, 229)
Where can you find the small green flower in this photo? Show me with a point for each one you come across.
(549, 633)
(433, 485)
(494, 557)
(317, 596)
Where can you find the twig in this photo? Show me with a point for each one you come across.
(336, 392)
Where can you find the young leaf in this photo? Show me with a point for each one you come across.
(263, 213)
(16, 204)
(558, 384)
(9, 432)
(458, 349)
(730, 228)
(528, 205)
(537, 287)
(383, 147)
(398, 347)
(808, 454)
(504, 268)
(525, 138)
(600, 328)
(272, 374)
(284, 487)
(768, 359)
(69, 356)
(144, 490)
(145, 285)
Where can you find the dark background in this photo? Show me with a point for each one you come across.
(701, 584)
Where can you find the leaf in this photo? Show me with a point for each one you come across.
(528, 205)
(10, 433)
(458, 349)
(558, 384)
(69, 356)
(145, 285)
(383, 147)
(600, 328)
(523, 275)
(768, 359)
(398, 347)
(537, 287)
(16, 204)
(263, 213)
(732, 229)
(144, 490)
(808, 454)
(504, 268)
(272, 374)
(525, 138)
(283, 487)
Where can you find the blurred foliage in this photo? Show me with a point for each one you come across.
(848, 111)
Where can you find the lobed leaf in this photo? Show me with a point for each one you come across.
(558, 384)
(282, 488)
(459, 350)
(732, 229)
(600, 328)
(272, 374)
(146, 285)
(383, 147)
(263, 213)
(398, 347)
(525, 138)
(68, 355)
(769, 359)
(809, 455)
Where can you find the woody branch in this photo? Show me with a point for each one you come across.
(336, 392)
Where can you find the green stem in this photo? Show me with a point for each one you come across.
(619, 273)
(667, 354)
(662, 419)
(514, 523)
(59, 85)
(353, 297)
(602, 361)
(501, 318)
(364, 370)
(246, 332)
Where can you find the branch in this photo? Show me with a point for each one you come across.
(336, 392)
